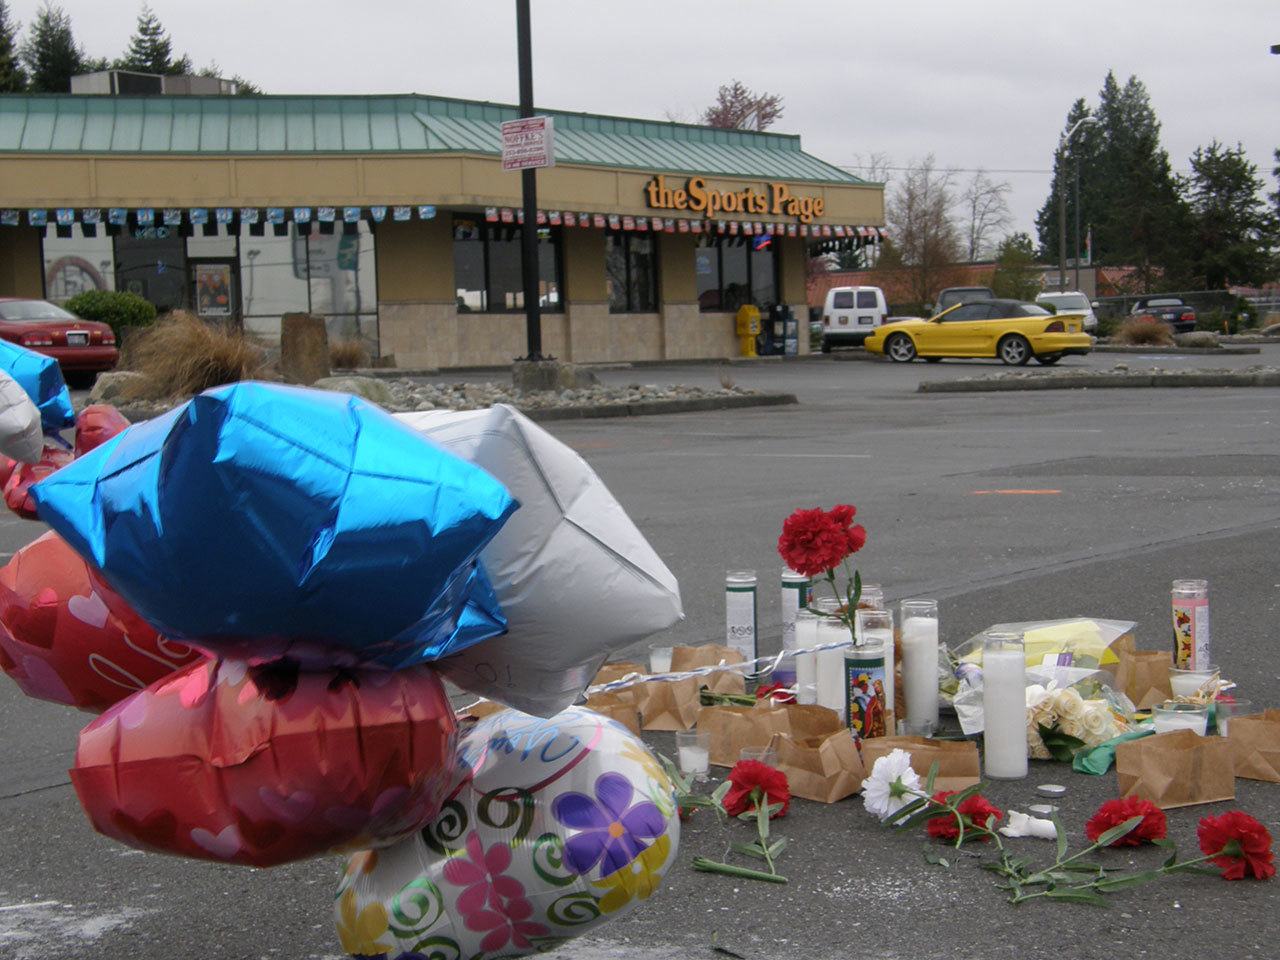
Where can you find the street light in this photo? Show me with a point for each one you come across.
(1061, 205)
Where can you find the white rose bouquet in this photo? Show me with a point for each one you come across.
(1060, 722)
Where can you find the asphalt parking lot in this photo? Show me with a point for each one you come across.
(1002, 506)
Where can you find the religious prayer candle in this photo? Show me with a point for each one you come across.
(1190, 624)
(795, 594)
(741, 612)
(1004, 706)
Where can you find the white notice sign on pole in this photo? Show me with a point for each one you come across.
(528, 143)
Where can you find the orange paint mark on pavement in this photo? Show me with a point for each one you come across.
(1017, 493)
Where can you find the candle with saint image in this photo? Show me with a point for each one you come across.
(1004, 706)
(920, 659)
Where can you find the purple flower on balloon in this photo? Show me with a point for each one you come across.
(612, 830)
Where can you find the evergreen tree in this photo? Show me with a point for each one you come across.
(1232, 228)
(12, 77)
(1275, 197)
(51, 55)
(1129, 194)
(1081, 152)
(151, 49)
(1017, 276)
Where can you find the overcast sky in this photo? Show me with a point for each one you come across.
(979, 84)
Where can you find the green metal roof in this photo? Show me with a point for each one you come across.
(56, 124)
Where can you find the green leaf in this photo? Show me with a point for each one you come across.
(748, 850)
(1166, 844)
(963, 795)
(908, 809)
(1062, 834)
(931, 857)
(1130, 880)
(1199, 868)
(919, 817)
(933, 775)
(1118, 831)
(1077, 895)
(718, 793)
(1060, 746)
(779, 845)
(762, 821)
(1081, 867)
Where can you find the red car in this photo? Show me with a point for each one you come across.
(78, 345)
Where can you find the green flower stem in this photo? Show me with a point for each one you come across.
(711, 866)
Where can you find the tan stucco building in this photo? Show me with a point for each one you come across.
(393, 217)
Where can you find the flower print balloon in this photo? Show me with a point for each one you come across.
(554, 826)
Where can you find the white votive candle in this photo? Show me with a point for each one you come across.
(1181, 716)
(920, 660)
(695, 761)
(806, 665)
(1187, 683)
(1004, 707)
(660, 659)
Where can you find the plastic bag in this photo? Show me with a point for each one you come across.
(314, 524)
(96, 424)
(558, 825)
(575, 578)
(21, 433)
(41, 377)
(265, 766)
(67, 639)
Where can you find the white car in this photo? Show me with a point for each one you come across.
(1071, 301)
(849, 314)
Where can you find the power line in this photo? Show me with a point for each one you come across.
(856, 168)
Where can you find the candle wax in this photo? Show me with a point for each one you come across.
(1004, 703)
(694, 760)
(920, 668)
(1167, 722)
(806, 666)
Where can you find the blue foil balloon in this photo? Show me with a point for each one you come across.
(261, 521)
(41, 377)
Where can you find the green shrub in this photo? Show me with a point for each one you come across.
(114, 307)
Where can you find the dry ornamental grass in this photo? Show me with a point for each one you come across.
(348, 354)
(1144, 332)
(181, 355)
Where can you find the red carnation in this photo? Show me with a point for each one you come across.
(753, 782)
(1115, 812)
(977, 810)
(778, 692)
(815, 541)
(1237, 843)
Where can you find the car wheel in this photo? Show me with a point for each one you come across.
(932, 359)
(1014, 350)
(1049, 359)
(900, 348)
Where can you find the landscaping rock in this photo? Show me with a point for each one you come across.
(1197, 338)
(110, 386)
(538, 376)
(375, 391)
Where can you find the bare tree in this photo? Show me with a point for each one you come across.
(737, 107)
(925, 239)
(872, 166)
(985, 208)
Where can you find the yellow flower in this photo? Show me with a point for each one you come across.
(637, 880)
(647, 761)
(359, 930)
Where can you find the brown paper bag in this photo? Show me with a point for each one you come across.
(957, 760)
(668, 704)
(617, 707)
(1143, 676)
(732, 728)
(824, 768)
(616, 671)
(1177, 769)
(1255, 746)
(708, 655)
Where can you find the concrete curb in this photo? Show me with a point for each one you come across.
(1214, 351)
(648, 408)
(393, 373)
(1095, 381)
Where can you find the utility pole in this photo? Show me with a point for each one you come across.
(529, 191)
(1077, 286)
(1063, 142)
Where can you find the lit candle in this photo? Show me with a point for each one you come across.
(920, 659)
(1004, 706)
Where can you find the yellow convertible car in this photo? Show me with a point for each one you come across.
(1009, 329)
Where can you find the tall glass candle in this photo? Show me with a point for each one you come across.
(741, 612)
(868, 688)
(806, 665)
(1190, 624)
(795, 594)
(1004, 706)
(920, 659)
(829, 666)
(875, 631)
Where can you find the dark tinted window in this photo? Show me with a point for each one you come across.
(867, 300)
(970, 311)
(631, 272)
(843, 300)
(731, 272)
(487, 267)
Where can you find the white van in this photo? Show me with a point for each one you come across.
(849, 314)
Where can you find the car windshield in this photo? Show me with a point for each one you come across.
(1034, 310)
(1166, 302)
(1067, 301)
(23, 311)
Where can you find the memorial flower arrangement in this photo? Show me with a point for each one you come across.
(1237, 845)
(1060, 722)
(815, 542)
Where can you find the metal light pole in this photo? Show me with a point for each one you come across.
(1077, 284)
(529, 191)
(1063, 142)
